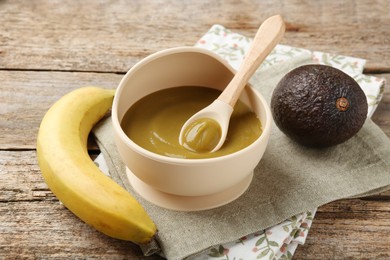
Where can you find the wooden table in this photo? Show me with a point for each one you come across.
(48, 48)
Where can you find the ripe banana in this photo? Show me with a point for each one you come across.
(74, 178)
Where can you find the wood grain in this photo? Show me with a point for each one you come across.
(110, 36)
(33, 223)
(25, 96)
(48, 48)
(349, 229)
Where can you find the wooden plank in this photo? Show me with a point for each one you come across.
(34, 229)
(47, 35)
(33, 223)
(25, 96)
(29, 213)
(44, 43)
(349, 230)
(376, 203)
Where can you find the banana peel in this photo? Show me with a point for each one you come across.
(74, 178)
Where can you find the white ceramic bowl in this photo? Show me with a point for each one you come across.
(185, 66)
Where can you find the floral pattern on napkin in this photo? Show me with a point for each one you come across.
(233, 46)
(280, 241)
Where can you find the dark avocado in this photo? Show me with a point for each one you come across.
(318, 105)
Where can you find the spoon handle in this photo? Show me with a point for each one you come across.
(267, 37)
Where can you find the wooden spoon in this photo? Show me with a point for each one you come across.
(200, 136)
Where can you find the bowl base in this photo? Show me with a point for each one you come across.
(187, 203)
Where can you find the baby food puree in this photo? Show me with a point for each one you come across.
(155, 121)
(202, 135)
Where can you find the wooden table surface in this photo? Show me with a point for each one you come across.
(48, 48)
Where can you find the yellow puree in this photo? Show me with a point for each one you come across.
(202, 135)
(155, 121)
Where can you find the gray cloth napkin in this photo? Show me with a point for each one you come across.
(289, 179)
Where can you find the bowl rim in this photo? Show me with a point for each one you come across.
(266, 128)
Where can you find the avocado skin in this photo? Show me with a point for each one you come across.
(304, 107)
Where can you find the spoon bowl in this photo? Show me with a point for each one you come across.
(218, 111)
(267, 37)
